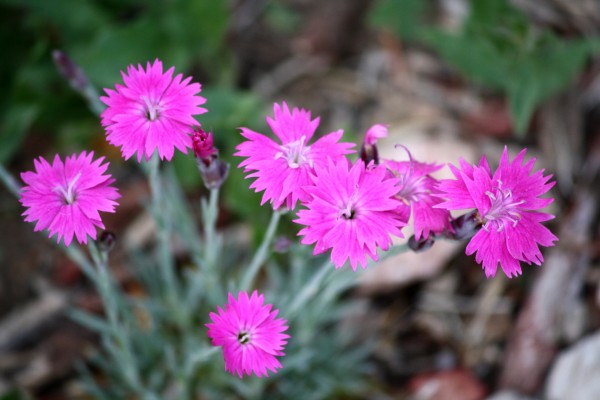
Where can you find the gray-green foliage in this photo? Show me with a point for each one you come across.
(155, 346)
(498, 48)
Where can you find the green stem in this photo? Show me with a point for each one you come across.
(261, 254)
(325, 271)
(161, 214)
(310, 288)
(210, 213)
(79, 258)
(110, 296)
(10, 182)
(394, 251)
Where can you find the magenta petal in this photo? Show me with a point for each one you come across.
(352, 211)
(250, 335)
(506, 202)
(152, 112)
(66, 198)
(283, 170)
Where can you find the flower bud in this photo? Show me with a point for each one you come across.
(465, 226)
(70, 70)
(369, 153)
(368, 150)
(106, 241)
(214, 174)
(203, 146)
(422, 244)
(212, 169)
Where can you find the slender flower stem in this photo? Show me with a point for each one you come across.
(110, 298)
(9, 181)
(161, 216)
(79, 258)
(261, 254)
(310, 288)
(320, 277)
(394, 251)
(210, 213)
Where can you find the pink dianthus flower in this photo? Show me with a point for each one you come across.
(250, 334)
(505, 202)
(283, 170)
(351, 210)
(416, 189)
(66, 198)
(152, 111)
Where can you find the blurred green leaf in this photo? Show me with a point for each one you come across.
(497, 48)
(16, 394)
(403, 17)
(282, 18)
(18, 119)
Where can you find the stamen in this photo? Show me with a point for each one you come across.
(69, 194)
(349, 211)
(152, 110)
(295, 153)
(503, 209)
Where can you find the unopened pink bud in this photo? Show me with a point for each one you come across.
(203, 146)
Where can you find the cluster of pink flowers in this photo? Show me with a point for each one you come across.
(350, 208)
(355, 208)
(152, 112)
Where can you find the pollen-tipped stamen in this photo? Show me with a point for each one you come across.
(503, 209)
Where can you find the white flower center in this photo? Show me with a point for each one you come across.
(348, 211)
(503, 209)
(295, 153)
(151, 109)
(68, 193)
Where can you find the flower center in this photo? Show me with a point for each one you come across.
(295, 153)
(411, 188)
(68, 194)
(151, 109)
(348, 211)
(503, 209)
(243, 338)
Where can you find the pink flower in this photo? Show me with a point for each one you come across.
(250, 335)
(65, 198)
(416, 191)
(283, 170)
(505, 201)
(152, 110)
(374, 133)
(351, 210)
